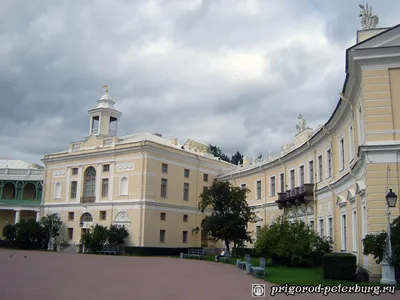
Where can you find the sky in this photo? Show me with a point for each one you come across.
(233, 73)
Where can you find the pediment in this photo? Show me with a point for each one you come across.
(341, 200)
(351, 195)
(360, 187)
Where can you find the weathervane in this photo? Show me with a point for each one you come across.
(368, 21)
(106, 87)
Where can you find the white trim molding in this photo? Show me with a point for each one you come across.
(341, 200)
(360, 188)
(351, 195)
(270, 186)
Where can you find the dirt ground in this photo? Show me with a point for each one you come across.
(36, 275)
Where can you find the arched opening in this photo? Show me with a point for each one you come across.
(86, 217)
(123, 186)
(8, 191)
(57, 191)
(29, 192)
(204, 236)
(89, 192)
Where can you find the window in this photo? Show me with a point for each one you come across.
(185, 218)
(292, 179)
(57, 191)
(344, 234)
(104, 187)
(320, 168)
(164, 168)
(311, 173)
(123, 189)
(164, 187)
(186, 191)
(301, 175)
(163, 216)
(90, 182)
(184, 237)
(74, 171)
(70, 233)
(312, 225)
(354, 223)
(282, 177)
(106, 168)
(186, 173)
(330, 229)
(243, 186)
(258, 228)
(321, 228)
(71, 216)
(272, 187)
(162, 236)
(341, 153)
(329, 163)
(258, 189)
(102, 215)
(351, 142)
(74, 188)
(205, 177)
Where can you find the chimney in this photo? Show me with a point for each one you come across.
(245, 161)
(174, 141)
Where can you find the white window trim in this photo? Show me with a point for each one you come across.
(319, 226)
(120, 186)
(327, 163)
(240, 185)
(290, 178)
(351, 142)
(270, 186)
(311, 220)
(341, 159)
(58, 197)
(343, 245)
(327, 226)
(354, 228)
(304, 172)
(255, 188)
(309, 171)
(280, 183)
(319, 179)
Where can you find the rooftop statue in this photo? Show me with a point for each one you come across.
(368, 21)
(301, 126)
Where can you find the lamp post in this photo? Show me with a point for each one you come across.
(83, 245)
(388, 275)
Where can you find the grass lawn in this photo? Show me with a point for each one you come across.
(295, 276)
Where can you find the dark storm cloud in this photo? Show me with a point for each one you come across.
(231, 73)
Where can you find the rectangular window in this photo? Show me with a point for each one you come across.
(311, 171)
(354, 219)
(258, 188)
(351, 142)
(164, 168)
(292, 180)
(102, 215)
(184, 237)
(106, 168)
(205, 177)
(329, 163)
(70, 233)
(162, 236)
(282, 178)
(312, 225)
(320, 168)
(301, 175)
(74, 171)
(186, 173)
(74, 188)
(164, 187)
(258, 228)
(71, 216)
(186, 191)
(330, 229)
(321, 228)
(273, 186)
(104, 187)
(344, 233)
(243, 186)
(341, 153)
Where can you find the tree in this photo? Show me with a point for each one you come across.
(237, 158)
(96, 238)
(217, 152)
(116, 235)
(230, 213)
(52, 224)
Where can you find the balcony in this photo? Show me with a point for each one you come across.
(88, 199)
(27, 202)
(296, 196)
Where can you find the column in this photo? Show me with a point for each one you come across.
(98, 182)
(37, 216)
(111, 182)
(79, 188)
(68, 185)
(17, 216)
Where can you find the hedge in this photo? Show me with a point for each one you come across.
(339, 266)
(22, 246)
(156, 251)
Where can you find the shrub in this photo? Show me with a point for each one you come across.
(116, 235)
(156, 251)
(291, 244)
(95, 239)
(340, 266)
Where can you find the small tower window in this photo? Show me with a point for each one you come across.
(95, 124)
(113, 126)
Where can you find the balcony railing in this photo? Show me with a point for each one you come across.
(295, 196)
(88, 199)
(19, 202)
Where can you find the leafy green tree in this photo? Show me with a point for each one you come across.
(9, 233)
(237, 158)
(230, 213)
(117, 235)
(52, 224)
(217, 152)
(96, 238)
(29, 232)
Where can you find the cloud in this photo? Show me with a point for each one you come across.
(230, 73)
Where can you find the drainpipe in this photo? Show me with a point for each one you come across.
(141, 196)
(350, 104)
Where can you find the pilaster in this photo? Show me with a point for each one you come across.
(17, 216)
(68, 185)
(111, 182)
(79, 183)
(98, 182)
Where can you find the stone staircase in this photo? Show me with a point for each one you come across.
(72, 248)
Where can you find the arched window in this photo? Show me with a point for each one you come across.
(185, 218)
(163, 216)
(57, 191)
(29, 192)
(90, 182)
(86, 217)
(8, 191)
(123, 188)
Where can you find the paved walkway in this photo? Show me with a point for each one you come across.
(36, 275)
